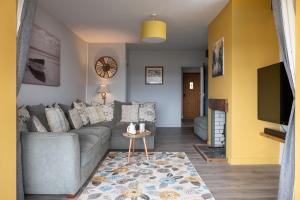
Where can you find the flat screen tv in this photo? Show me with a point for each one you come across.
(275, 96)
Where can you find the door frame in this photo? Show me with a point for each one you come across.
(192, 69)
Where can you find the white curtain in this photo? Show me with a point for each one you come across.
(25, 17)
(288, 18)
(19, 13)
(284, 14)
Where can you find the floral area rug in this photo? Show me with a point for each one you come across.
(165, 176)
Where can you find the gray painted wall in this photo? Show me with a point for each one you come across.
(168, 96)
(72, 67)
(117, 84)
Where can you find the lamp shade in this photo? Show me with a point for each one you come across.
(154, 31)
(102, 89)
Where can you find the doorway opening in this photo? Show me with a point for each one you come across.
(191, 95)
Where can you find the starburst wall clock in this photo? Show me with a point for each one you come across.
(106, 67)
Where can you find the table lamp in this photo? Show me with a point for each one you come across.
(103, 90)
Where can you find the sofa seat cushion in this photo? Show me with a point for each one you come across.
(89, 146)
(201, 122)
(103, 133)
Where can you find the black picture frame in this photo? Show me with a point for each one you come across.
(154, 75)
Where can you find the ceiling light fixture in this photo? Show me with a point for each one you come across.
(153, 30)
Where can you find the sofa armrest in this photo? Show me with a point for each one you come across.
(51, 163)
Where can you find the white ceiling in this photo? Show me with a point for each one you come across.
(118, 21)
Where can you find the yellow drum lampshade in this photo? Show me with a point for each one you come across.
(154, 31)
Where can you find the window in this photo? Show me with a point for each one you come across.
(191, 85)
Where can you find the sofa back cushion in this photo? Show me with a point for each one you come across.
(39, 112)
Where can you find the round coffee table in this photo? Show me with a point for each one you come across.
(133, 137)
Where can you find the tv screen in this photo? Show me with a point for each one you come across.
(275, 96)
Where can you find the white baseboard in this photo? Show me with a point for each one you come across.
(168, 125)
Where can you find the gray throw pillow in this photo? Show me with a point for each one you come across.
(65, 108)
(39, 112)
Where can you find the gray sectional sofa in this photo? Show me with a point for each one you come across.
(60, 163)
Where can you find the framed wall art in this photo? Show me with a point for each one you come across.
(154, 75)
(218, 58)
(43, 64)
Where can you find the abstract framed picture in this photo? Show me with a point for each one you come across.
(218, 58)
(154, 75)
(43, 64)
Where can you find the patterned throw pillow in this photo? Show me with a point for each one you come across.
(99, 110)
(93, 114)
(63, 116)
(56, 120)
(106, 110)
(23, 118)
(81, 109)
(146, 111)
(130, 113)
(75, 119)
(35, 125)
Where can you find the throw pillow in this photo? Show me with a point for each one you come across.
(118, 110)
(23, 118)
(56, 120)
(146, 112)
(105, 111)
(63, 115)
(80, 107)
(39, 112)
(100, 112)
(108, 111)
(64, 107)
(75, 119)
(130, 113)
(93, 115)
(35, 125)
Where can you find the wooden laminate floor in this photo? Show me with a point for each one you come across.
(224, 181)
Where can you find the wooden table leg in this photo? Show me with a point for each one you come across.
(145, 146)
(133, 144)
(129, 149)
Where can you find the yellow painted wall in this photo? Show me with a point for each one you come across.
(253, 44)
(8, 100)
(297, 155)
(220, 87)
